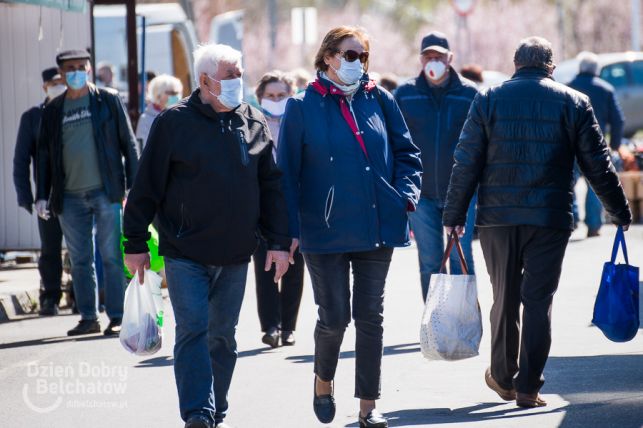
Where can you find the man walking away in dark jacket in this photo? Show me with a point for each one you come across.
(519, 145)
(435, 106)
(85, 135)
(607, 112)
(50, 264)
(208, 176)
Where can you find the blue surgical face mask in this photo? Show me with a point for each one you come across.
(349, 72)
(172, 99)
(76, 79)
(231, 92)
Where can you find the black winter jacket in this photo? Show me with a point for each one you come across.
(114, 139)
(519, 143)
(605, 105)
(435, 126)
(212, 183)
(25, 155)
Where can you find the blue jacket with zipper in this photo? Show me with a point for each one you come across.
(341, 199)
(435, 126)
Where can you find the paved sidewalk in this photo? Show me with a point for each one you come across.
(591, 382)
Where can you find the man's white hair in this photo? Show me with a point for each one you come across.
(208, 56)
(588, 62)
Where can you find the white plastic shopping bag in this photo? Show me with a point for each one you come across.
(451, 326)
(142, 327)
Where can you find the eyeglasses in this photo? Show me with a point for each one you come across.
(351, 55)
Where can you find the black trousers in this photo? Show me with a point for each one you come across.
(50, 264)
(278, 308)
(524, 263)
(330, 275)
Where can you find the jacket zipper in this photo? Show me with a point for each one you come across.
(330, 199)
(180, 232)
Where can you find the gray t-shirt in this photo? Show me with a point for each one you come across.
(80, 159)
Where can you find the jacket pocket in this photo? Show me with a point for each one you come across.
(243, 147)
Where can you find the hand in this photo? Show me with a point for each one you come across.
(137, 263)
(625, 227)
(459, 230)
(41, 209)
(280, 259)
(293, 248)
(629, 160)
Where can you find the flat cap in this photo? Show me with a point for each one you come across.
(71, 54)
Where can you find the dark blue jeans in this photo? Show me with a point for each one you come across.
(206, 301)
(330, 275)
(426, 223)
(80, 212)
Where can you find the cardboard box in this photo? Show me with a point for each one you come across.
(631, 182)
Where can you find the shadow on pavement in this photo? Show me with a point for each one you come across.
(405, 348)
(479, 412)
(163, 361)
(602, 390)
(57, 339)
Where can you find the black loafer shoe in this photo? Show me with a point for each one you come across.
(114, 327)
(287, 338)
(323, 405)
(199, 421)
(271, 338)
(374, 419)
(85, 327)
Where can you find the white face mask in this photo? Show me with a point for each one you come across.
(231, 92)
(54, 91)
(434, 70)
(275, 108)
(349, 72)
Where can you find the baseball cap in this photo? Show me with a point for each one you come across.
(50, 73)
(435, 41)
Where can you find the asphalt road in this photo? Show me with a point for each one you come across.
(49, 380)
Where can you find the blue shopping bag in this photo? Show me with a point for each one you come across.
(616, 311)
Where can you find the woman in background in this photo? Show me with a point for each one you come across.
(277, 306)
(163, 91)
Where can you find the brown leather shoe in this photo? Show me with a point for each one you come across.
(529, 401)
(505, 394)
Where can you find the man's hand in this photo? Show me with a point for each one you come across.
(625, 227)
(280, 259)
(137, 263)
(293, 248)
(41, 209)
(458, 229)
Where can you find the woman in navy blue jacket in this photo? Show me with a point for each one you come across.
(351, 174)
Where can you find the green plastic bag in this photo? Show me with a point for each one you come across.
(156, 262)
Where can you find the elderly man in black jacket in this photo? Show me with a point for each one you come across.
(208, 176)
(50, 265)
(87, 157)
(519, 145)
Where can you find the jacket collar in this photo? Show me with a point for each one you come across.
(455, 81)
(324, 87)
(532, 72)
(206, 109)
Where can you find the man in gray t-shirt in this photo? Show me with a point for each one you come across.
(87, 158)
(80, 161)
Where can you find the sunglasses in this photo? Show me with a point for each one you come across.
(351, 55)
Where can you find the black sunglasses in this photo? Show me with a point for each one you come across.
(351, 55)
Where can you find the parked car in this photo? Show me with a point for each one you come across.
(624, 71)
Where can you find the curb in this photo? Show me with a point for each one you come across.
(14, 306)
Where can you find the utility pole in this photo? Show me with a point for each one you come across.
(636, 25)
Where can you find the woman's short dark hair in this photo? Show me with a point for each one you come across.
(273, 77)
(332, 40)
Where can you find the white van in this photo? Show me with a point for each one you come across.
(170, 40)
